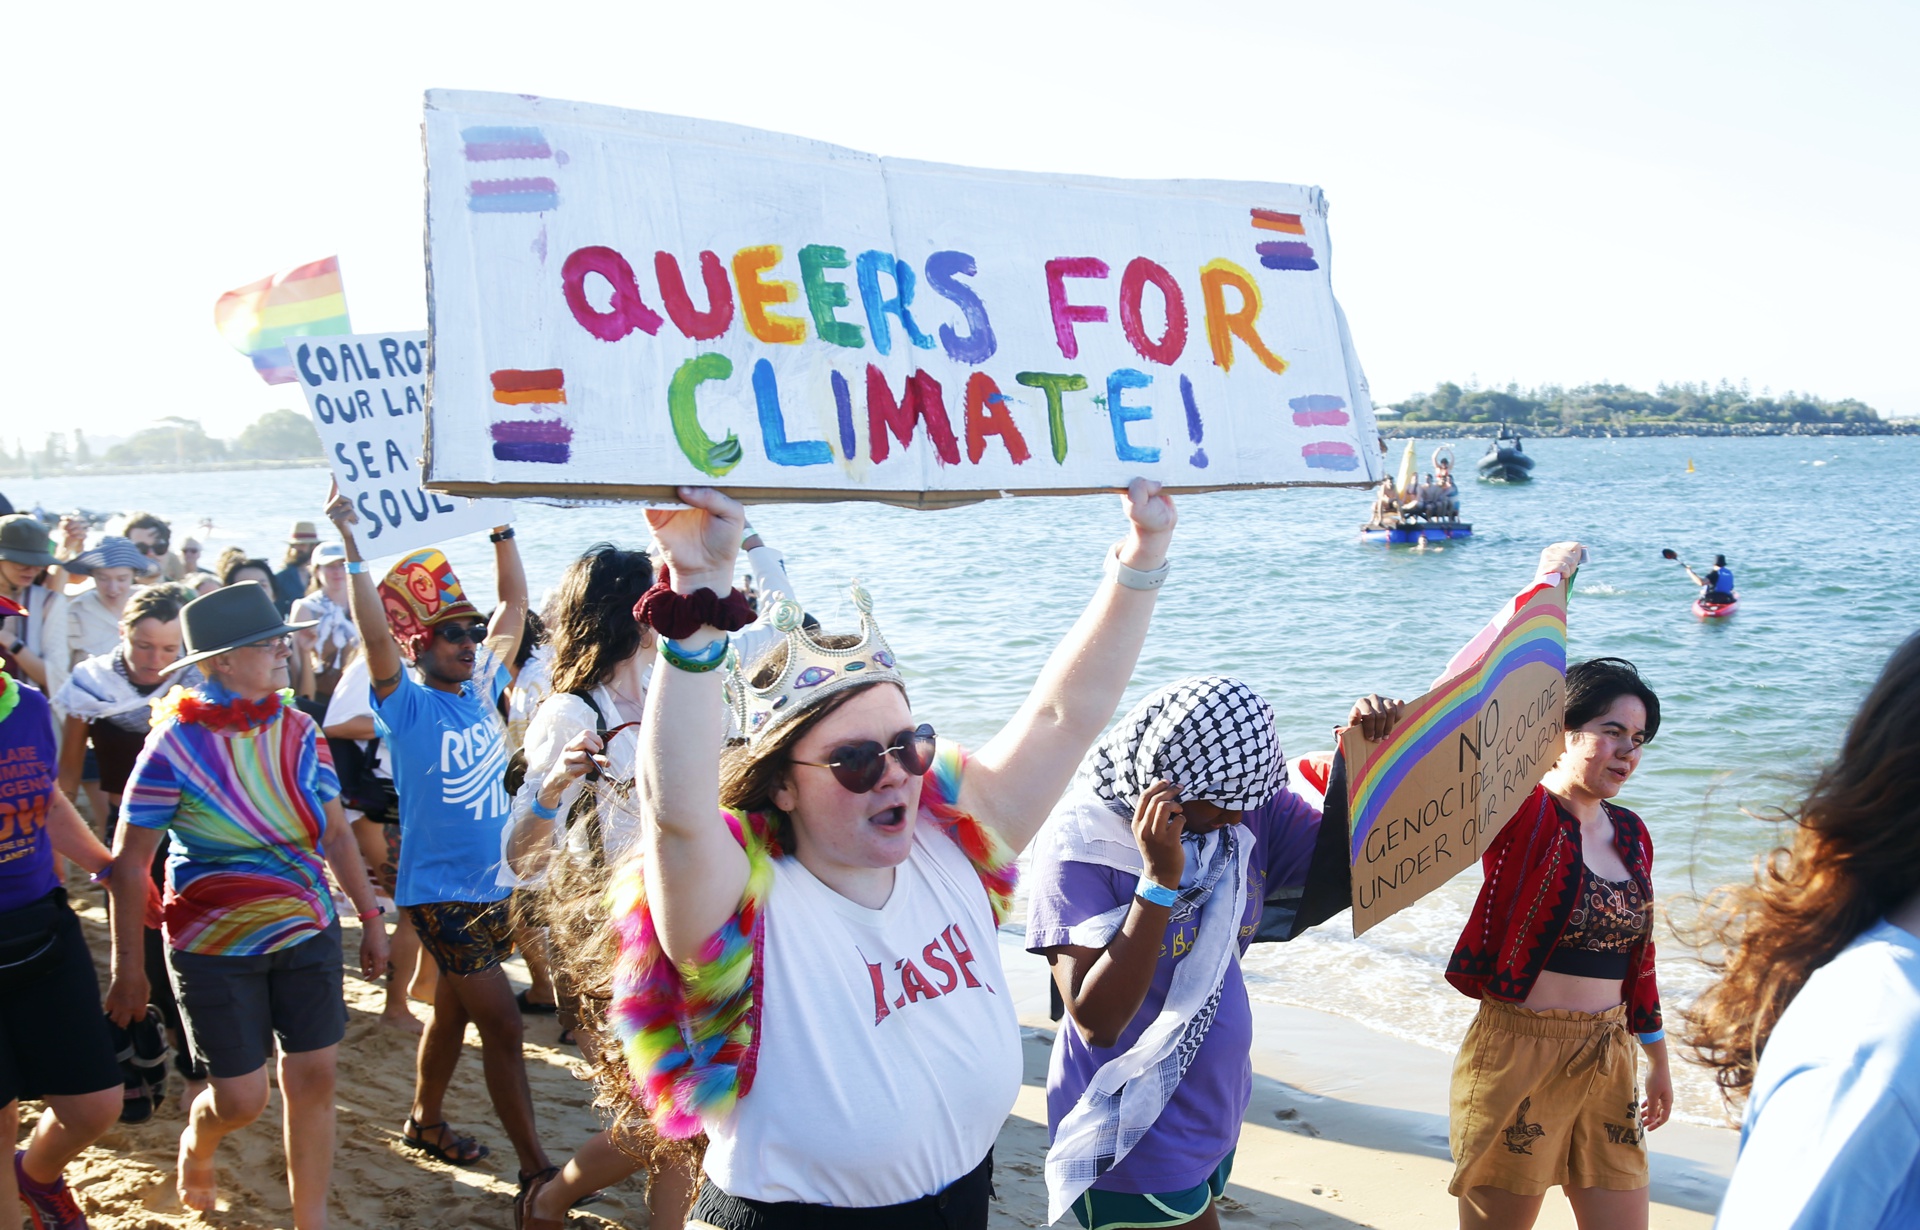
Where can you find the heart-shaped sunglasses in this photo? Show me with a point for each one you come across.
(860, 766)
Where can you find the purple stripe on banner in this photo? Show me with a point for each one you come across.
(552, 454)
(499, 151)
(1318, 401)
(1294, 256)
(1319, 418)
(546, 431)
(1325, 461)
(268, 360)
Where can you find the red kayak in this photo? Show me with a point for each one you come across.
(1715, 610)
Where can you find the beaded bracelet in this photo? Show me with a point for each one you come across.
(696, 662)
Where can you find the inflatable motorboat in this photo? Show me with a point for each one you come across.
(1506, 461)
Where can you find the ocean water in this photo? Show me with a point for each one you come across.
(1276, 587)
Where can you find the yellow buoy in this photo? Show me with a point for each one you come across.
(1690, 465)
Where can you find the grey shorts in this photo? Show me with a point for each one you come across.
(234, 1007)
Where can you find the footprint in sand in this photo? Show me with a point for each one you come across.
(1331, 1193)
(1291, 1121)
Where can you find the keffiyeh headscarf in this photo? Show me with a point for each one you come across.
(1210, 735)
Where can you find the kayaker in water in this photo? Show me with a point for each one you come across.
(1716, 588)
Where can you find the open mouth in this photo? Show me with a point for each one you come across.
(891, 819)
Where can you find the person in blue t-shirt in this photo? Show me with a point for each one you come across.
(1816, 1016)
(448, 752)
(1716, 588)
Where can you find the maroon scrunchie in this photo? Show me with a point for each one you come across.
(678, 616)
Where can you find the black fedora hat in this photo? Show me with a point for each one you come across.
(240, 614)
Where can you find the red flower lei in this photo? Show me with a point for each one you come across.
(185, 705)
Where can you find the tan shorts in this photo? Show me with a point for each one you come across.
(1546, 1099)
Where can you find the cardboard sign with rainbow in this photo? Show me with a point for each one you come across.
(1426, 801)
(622, 302)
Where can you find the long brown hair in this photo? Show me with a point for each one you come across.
(590, 621)
(1855, 855)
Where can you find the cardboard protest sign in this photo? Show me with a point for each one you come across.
(622, 302)
(1427, 800)
(367, 393)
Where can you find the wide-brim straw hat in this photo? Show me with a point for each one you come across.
(240, 614)
(25, 541)
(112, 551)
(303, 532)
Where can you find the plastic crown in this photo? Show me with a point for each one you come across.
(812, 671)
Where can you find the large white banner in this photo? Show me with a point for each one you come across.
(621, 302)
(367, 393)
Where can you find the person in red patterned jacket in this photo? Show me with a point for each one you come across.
(1559, 952)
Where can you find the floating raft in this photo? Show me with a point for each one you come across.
(1408, 534)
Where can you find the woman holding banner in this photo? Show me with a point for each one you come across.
(1559, 950)
(809, 969)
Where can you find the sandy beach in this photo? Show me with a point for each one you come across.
(1347, 1129)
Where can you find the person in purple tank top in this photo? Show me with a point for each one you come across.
(1177, 846)
(54, 1044)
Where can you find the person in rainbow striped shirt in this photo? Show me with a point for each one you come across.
(244, 789)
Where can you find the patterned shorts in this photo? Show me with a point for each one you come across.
(1546, 1099)
(465, 937)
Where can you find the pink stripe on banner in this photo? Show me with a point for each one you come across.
(1319, 418)
(508, 187)
(533, 432)
(498, 151)
(1327, 448)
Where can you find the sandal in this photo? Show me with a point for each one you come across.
(530, 1185)
(533, 1007)
(414, 1135)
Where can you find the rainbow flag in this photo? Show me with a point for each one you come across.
(258, 318)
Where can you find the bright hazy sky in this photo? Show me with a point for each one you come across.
(1632, 192)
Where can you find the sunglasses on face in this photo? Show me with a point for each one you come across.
(860, 766)
(151, 548)
(461, 634)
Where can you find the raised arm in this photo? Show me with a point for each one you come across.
(696, 872)
(510, 611)
(1015, 779)
(384, 663)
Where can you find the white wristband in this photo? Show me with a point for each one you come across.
(1134, 578)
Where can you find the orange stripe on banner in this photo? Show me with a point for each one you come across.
(1267, 220)
(521, 397)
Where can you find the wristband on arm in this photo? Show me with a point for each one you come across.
(1157, 894)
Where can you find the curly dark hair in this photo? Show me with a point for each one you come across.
(590, 621)
(1855, 856)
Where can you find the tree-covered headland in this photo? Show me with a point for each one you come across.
(1615, 409)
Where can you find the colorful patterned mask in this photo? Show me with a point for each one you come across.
(419, 592)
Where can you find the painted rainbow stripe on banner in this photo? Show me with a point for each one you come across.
(1283, 254)
(1439, 715)
(1324, 410)
(523, 194)
(548, 441)
(258, 318)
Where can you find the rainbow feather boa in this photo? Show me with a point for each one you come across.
(691, 1034)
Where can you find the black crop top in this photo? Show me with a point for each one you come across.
(1608, 920)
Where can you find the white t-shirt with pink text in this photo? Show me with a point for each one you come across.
(890, 1048)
